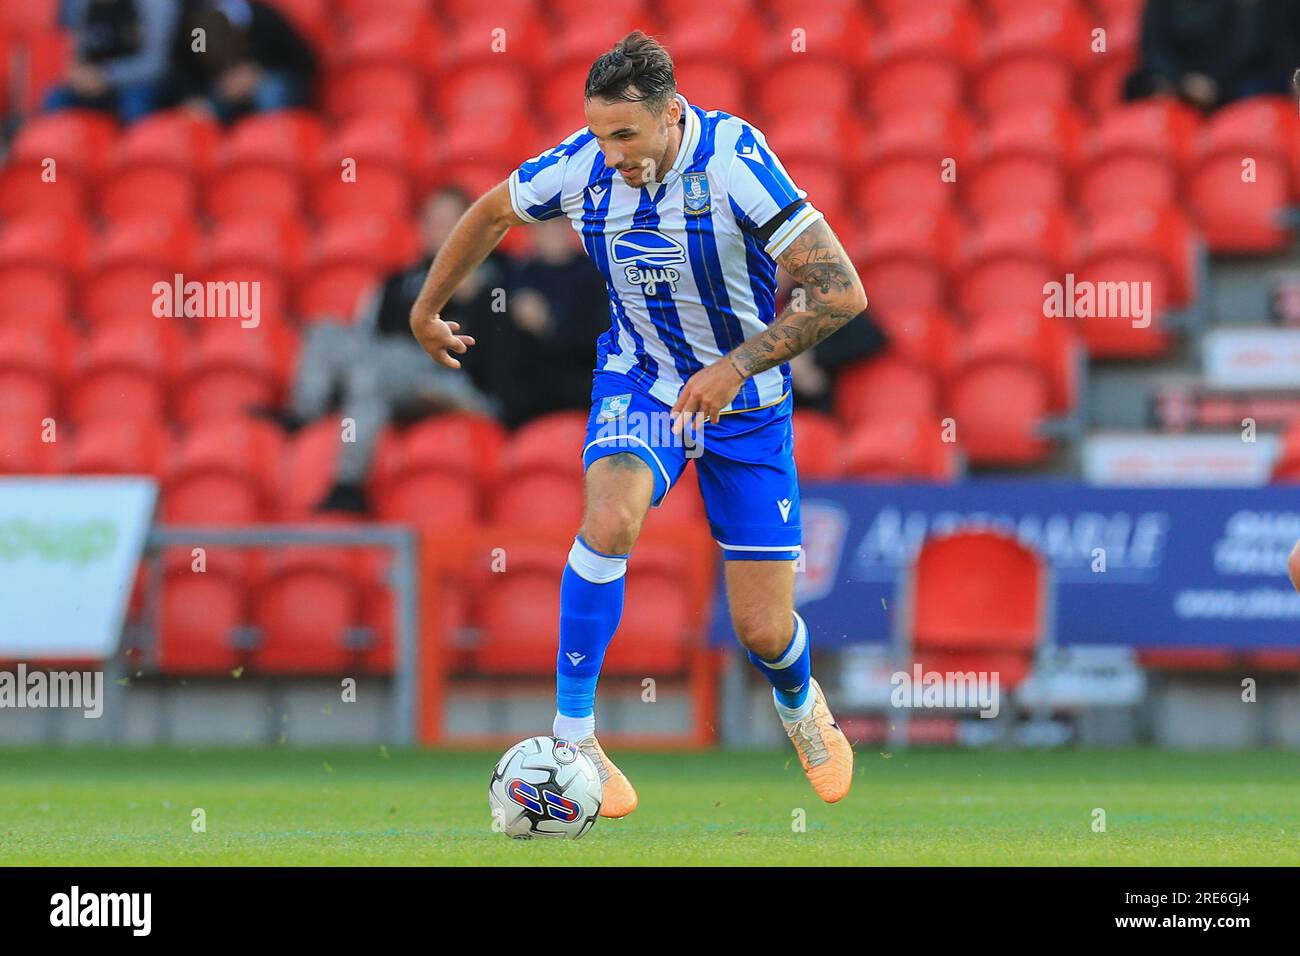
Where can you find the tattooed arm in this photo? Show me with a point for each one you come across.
(827, 295)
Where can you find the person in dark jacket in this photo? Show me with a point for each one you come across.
(378, 369)
(558, 308)
(120, 56)
(1213, 52)
(246, 57)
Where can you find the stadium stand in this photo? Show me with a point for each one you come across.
(967, 152)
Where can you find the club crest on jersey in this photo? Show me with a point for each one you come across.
(613, 407)
(647, 257)
(696, 186)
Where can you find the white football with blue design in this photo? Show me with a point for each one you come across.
(544, 787)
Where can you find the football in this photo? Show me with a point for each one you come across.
(544, 787)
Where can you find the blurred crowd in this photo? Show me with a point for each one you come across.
(232, 57)
(1214, 52)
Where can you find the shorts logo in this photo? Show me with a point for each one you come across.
(648, 257)
(784, 506)
(613, 407)
(697, 194)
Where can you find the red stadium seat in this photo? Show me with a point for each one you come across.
(112, 447)
(231, 368)
(902, 446)
(1050, 344)
(261, 165)
(370, 165)
(379, 67)
(201, 613)
(77, 140)
(224, 471)
(54, 161)
(125, 370)
(1024, 159)
(921, 60)
(911, 161)
(906, 377)
(519, 617)
(885, 384)
(904, 258)
(364, 13)
(551, 443)
(975, 600)
(736, 38)
(25, 450)
(1010, 255)
(1136, 155)
(35, 362)
(309, 460)
(508, 37)
(712, 85)
(462, 446)
(582, 37)
(823, 139)
(1031, 56)
(266, 249)
(819, 446)
(655, 634)
(999, 399)
(784, 88)
(308, 608)
(1241, 183)
(471, 146)
(156, 166)
(560, 95)
(128, 260)
(830, 31)
(484, 90)
(539, 499)
(347, 258)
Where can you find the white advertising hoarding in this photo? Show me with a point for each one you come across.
(1198, 460)
(69, 548)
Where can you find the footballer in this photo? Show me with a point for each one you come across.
(687, 213)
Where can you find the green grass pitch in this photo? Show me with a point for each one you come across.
(282, 805)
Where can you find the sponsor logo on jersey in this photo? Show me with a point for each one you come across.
(648, 257)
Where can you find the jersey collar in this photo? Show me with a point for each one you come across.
(690, 137)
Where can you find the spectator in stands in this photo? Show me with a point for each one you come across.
(381, 369)
(813, 373)
(1213, 52)
(558, 307)
(252, 59)
(120, 56)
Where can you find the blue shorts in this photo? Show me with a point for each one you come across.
(745, 464)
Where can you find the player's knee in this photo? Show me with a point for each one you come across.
(1293, 565)
(766, 635)
(611, 527)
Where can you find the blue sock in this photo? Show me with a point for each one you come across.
(591, 604)
(789, 673)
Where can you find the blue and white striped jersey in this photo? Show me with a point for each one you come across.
(689, 278)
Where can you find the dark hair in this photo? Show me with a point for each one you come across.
(637, 70)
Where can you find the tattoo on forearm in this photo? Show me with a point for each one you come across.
(830, 298)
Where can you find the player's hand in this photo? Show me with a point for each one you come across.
(705, 394)
(439, 338)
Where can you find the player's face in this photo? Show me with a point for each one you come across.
(635, 140)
